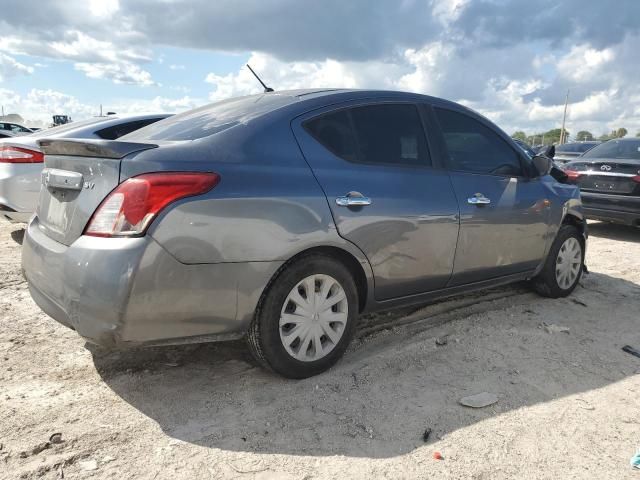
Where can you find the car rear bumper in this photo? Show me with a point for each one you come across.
(127, 291)
(612, 208)
(19, 190)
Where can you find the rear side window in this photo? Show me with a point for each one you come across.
(116, 131)
(334, 131)
(385, 134)
(474, 147)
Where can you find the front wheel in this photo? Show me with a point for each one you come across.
(564, 265)
(306, 318)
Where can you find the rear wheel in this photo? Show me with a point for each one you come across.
(306, 318)
(564, 265)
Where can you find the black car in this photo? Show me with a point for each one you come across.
(609, 179)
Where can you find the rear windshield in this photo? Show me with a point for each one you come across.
(625, 149)
(67, 127)
(575, 147)
(210, 119)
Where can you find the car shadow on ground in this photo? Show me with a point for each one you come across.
(391, 386)
(613, 231)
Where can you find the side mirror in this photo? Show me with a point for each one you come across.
(543, 164)
(549, 151)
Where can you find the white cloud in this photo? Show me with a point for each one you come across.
(37, 106)
(104, 8)
(282, 75)
(123, 73)
(584, 62)
(10, 67)
(513, 61)
(103, 59)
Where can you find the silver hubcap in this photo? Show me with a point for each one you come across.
(568, 262)
(313, 318)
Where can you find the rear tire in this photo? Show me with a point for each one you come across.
(306, 317)
(564, 264)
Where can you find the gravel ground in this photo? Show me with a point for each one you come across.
(568, 402)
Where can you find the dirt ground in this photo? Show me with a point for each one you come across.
(568, 403)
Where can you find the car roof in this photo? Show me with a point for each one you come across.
(309, 94)
(296, 102)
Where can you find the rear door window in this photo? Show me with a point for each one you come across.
(384, 134)
(474, 147)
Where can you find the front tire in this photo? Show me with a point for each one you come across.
(306, 318)
(564, 264)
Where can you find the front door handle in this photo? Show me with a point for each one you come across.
(478, 199)
(353, 199)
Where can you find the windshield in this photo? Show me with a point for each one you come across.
(49, 132)
(624, 149)
(575, 147)
(210, 119)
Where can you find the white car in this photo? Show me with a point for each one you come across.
(21, 160)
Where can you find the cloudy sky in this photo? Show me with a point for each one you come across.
(512, 60)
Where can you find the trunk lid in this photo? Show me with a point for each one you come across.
(603, 176)
(78, 175)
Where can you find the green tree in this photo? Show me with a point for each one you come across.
(604, 137)
(638, 134)
(519, 135)
(583, 135)
(621, 132)
(553, 136)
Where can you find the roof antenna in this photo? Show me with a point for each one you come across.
(266, 89)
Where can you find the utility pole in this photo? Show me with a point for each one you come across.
(564, 119)
(3, 110)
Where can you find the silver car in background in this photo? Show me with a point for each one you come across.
(21, 159)
(9, 129)
(281, 217)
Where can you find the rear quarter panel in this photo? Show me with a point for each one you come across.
(268, 205)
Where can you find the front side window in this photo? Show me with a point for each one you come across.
(385, 134)
(474, 147)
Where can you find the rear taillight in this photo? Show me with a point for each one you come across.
(9, 154)
(636, 178)
(129, 209)
(572, 175)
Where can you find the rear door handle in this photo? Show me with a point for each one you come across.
(353, 199)
(478, 199)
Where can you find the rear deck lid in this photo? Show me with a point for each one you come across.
(604, 176)
(78, 175)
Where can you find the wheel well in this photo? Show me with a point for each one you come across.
(348, 261)
(570, 219)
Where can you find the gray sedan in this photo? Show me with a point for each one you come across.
(281, 217)
(21, 158)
